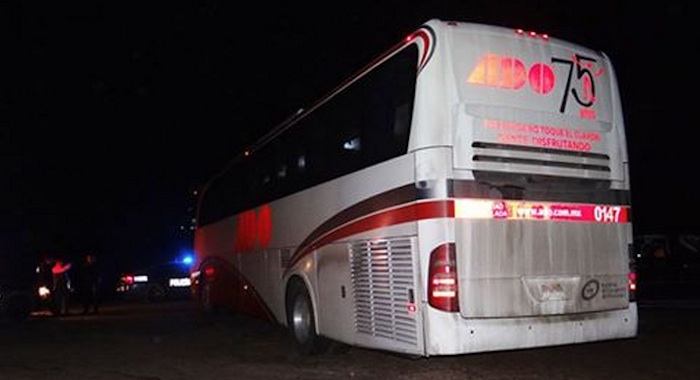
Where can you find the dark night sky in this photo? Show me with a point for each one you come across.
(112, 112)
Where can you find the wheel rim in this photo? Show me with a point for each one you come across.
(301, 319)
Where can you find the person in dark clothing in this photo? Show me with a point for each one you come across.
(90, 280)
(61, 287)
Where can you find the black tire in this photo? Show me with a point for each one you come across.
(301, 321)
(19, 307)
(156, 293)
(205, 303)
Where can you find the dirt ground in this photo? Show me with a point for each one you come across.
(173, 341)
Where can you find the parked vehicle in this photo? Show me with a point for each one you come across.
(16, 291)
(161, 282)
(668, 266)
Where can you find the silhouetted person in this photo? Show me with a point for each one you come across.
(90, 280)
(61, 287)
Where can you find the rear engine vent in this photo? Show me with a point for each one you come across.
(555, 158)
(383, 288)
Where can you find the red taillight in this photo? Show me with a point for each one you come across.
(209, 272)
(442, 279)
(632, 285)
(632, 274)
(128, 279)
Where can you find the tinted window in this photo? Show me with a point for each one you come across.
(365, 124)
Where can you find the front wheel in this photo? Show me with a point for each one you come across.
(205, 300)
(301, 321)
(156, 293)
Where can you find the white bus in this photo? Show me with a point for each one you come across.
(467, 191)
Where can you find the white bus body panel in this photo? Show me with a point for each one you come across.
(370, 311)
(494, 334)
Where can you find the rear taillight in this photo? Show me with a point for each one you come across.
(209, 273)
(632, 285)
(632, 274)
(442, 278)
(128, 279)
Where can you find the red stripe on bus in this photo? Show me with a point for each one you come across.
(445, 208)
(425, 35)
(410, 213)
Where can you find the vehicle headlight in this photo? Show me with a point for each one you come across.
(44, 292)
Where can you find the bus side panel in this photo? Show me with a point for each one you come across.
(212, 247)
(367, 283)
(260, 291)
(367, 291)
(335, 317)
(243, 281)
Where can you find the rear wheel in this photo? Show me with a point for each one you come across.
(301, 321)
(205, 301)
(156, 293)
(19, 307)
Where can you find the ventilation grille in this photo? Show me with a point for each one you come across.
(383, 289)
(555, 158)
(285, 257)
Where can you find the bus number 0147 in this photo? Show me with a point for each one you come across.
(607, 213)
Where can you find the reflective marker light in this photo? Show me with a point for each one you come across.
(411, 308)
(141, 278)
(532, 34)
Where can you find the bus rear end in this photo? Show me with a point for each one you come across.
(540, 186)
